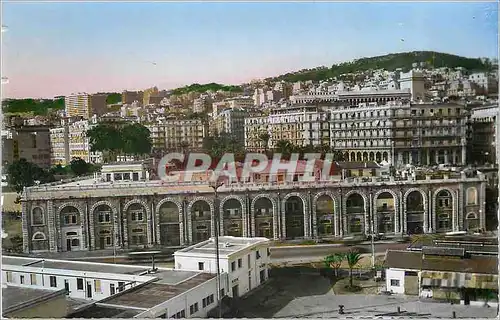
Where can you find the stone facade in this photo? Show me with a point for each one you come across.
(148, 214)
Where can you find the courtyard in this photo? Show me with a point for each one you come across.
(303, 293)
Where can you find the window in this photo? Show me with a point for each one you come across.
(257, 255)
(201, 265)
(211, 297)
(112, 288)
(9, 276)
(191, 309)
(222, 293)
(240, 263)
(204, 302)
(196, 307)
(37, 217)
(79, 284)
(21, 279)
(97, 286)
(394, 283)
(233, 265)
(33, 279)
(53, 281)
(248, 261)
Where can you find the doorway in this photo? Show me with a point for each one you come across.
(66, 286)
(235, 291)
(262, 276)
(89, 290)
(102, 242)
(68, 244)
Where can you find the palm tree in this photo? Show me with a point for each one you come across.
(264, 137)
(334, 261)
(353, 258)
(284, 147)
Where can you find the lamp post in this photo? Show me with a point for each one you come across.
(216, 184)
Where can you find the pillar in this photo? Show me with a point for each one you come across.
(445, 156)
(25, 226)
(428, 156)
(462, 160)
(437, 156)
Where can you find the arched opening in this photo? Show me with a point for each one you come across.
(325, 215)
(137, 223)
(69, 216)
(353, 157)
(355, 209)
(372, 156)
(386, 212)
(39, 242)
(359, 157)
(263, 211)
(471, 196)
(365, 156)
(201, 221)
(103, 219)
(378, 157)
(385, 156)
(37, 217)
(233, 218)
(169, 224)
(472, 222)
(415, 213)
(294, 217)
(444, 211)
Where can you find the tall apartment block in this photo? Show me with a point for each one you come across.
(29, 142)
(177, 135)
(85, 105)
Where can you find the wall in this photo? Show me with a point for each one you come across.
(53, 308)
(395, 274)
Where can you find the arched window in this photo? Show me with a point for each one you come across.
(39, 236)
(471, 196)
(471, 215)
(37, 216)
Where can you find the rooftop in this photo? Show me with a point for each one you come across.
(14, 298)
(411, 260)
(98, 311)
(73, 265)
(227, 246)
(155, 293)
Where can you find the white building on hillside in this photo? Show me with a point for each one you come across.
(245, 260)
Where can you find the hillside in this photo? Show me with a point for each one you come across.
(37, 107)
(388, 62)
(201, 88)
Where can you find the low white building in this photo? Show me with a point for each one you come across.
(245, 260)
(118, 291)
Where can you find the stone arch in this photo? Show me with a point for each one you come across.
(224, 227)
(82, 218)
(274, 205)
(471, 196)
(472, 221)
(163, 231)
(375, 208)
(39, 233)
(139, 201)
(305, 211)
(427, 225)
(453, 206)
(102, 202)
(335, 210)
(95, 227)
(345, 216)
(69, 204)
(190, 227)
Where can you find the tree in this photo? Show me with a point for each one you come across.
(22, 173)
(334, 261)
(353, 258)
(284, 147)
(79, 167)
(136, 139)
(264, 138)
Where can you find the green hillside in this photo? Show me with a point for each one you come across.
(37, 107)
(200, 88)
(388, 62)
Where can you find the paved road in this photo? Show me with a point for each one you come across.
(320, 251)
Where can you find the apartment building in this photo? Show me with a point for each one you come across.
(482, 135)
(231, 121)
(177, 135)
(363, 133)
(300, 124)
(70, 141)
(85, 105)
(486, 82)
(429, 134)
(29, 142)
(129, 97)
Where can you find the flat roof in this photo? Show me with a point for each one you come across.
(154, 293)
(98, 311)
(14, 298)
(227, 245)
(411, 260)
(73, 265)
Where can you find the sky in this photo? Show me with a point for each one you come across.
(55, 48)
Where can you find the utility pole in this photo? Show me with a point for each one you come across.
(215, 184)
(372, 230)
